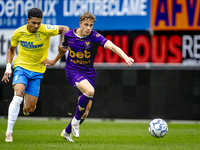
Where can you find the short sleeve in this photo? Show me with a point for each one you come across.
(14, 39)
(100, 39)
(51, 30)
(65, 41)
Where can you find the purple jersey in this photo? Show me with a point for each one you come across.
(82, 51)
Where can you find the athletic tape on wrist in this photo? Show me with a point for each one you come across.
(8, 68)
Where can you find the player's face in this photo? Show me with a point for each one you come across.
(33, 24)
(86, 27)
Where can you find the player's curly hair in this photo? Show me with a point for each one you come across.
(35, 12)
(88, 15)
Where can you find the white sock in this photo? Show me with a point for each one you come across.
(75, 120)
(13, 112)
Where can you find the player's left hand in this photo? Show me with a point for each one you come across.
(48, 62)
(129, 61)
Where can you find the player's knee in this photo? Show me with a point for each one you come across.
(90, 92)
(19, 93)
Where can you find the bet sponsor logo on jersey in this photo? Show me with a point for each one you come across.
(80, 57)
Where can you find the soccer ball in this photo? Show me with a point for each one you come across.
(158, 128)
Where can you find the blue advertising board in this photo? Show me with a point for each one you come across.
(110, 14)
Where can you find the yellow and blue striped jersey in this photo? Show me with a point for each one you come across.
(33, 47)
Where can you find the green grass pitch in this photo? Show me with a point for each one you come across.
(103, 135)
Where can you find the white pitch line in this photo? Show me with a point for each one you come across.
(107, 119)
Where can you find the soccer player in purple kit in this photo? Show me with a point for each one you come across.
(83, 43)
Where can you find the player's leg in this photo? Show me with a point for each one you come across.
(31, 93)
(68, 128)
(30, 102)
(20, 81)
(89, 105)
(75, 78)
(13, 110)
(81, 108)
(87, 108)
(66, 132)
(88, 91)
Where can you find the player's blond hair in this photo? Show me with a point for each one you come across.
(87, 15)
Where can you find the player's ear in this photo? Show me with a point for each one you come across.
(27, 20)
(80, 23)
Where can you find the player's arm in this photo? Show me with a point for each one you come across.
(52, 62)
(62, 50)
(8, 72)
(62, 31)
(119, 52)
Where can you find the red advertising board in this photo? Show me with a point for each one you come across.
(174, 47)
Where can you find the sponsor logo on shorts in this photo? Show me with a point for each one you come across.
(80, 77)
(16, 77)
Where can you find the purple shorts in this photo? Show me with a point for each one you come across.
(74, 77)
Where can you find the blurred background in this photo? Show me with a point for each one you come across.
(162, 36)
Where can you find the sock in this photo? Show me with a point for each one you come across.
(85, 116)
(82, 104)
(68, 129)
(13, 112)
(83, 101)
(82, 119)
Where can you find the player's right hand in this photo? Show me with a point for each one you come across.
(62, 49)
(6, 76)
(129, 61)
(7, 73)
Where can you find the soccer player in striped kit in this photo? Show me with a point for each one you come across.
(33, 39)
(83, 43)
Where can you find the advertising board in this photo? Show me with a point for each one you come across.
(150, 31)
(111, 14)
(175, 14)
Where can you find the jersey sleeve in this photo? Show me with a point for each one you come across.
(51, 30)
(100, 39)
(65, 40)
(15, 37)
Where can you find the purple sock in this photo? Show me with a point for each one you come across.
(69, 128)
(83, 101)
